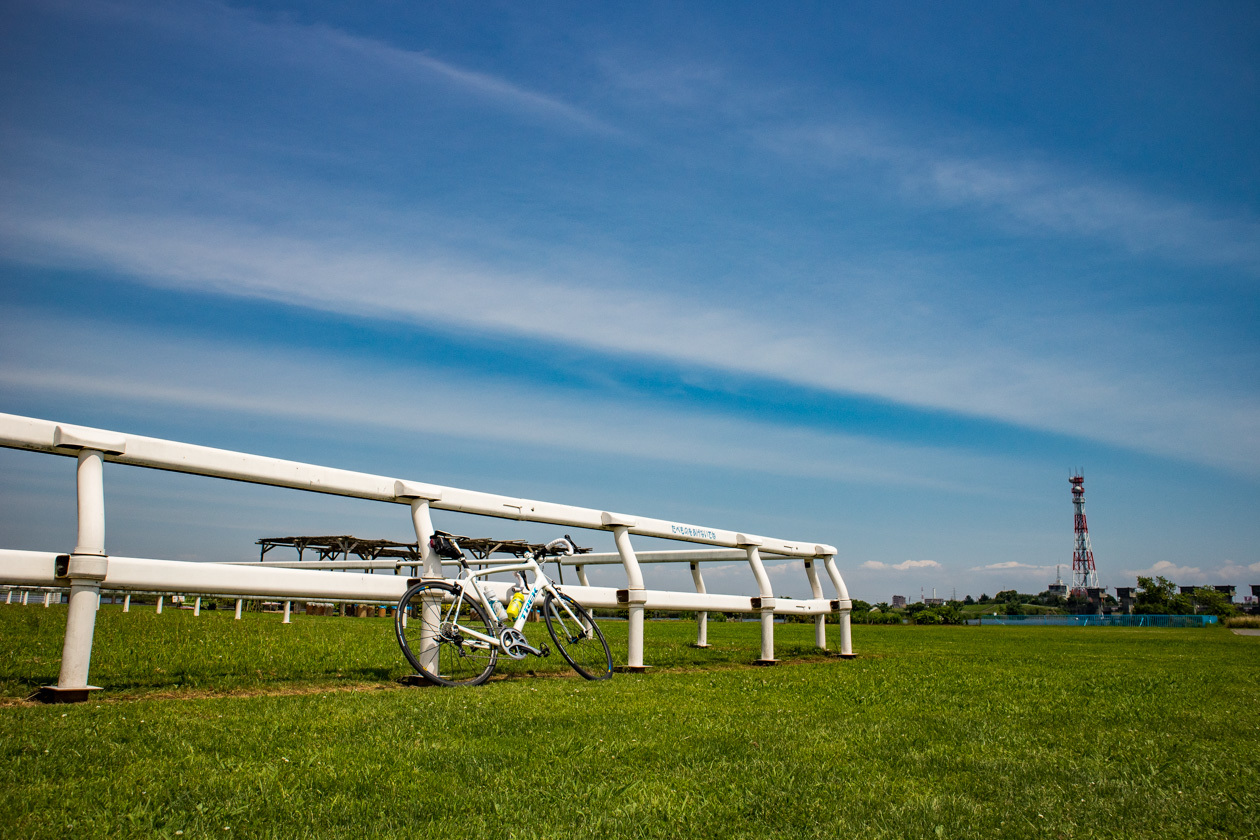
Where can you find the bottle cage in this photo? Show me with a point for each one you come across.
(444, 546)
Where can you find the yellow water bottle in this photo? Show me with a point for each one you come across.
(515, 605)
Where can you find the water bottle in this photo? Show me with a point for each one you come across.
(515, 605)
(495, 606)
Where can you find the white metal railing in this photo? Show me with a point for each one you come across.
(662, 600)
(88, 569)
(20, 595)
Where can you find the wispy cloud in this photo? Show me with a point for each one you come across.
(876, 565)
(1012, 566)
(423, 282)
(1165, 568)
(1034, 195)
(130, 367)
(322, 49)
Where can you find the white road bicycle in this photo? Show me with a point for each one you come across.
(450, 634)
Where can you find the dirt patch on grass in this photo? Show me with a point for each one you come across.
(131, 696)
(210, 693)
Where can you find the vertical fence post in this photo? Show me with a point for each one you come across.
(431, 567)
(197, 606)
(47, 598)
(286, 613)
(8, 597)
(85, 568)
(702, 616)
(843, 604)
(815, 588)
(239, 601)
(765, 603)
(158, 609)
(419, 496)
(636, 596)
(25, 597)
(127, 602)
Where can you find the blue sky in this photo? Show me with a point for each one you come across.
(876, 275)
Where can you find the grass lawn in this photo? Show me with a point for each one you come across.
(212, 727)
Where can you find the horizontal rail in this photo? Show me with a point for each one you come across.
(697, 555)
(328, 565)
(347, 565)
(703, 555)
(38, 568)
(62, 439)
(220, 596)
(252, 581)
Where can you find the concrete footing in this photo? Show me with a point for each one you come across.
(56, 694)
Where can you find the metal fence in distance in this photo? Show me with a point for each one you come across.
(1115, 620)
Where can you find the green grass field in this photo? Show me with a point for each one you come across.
(212, 727)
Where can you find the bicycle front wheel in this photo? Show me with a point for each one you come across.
(432, 623)
(578, 637)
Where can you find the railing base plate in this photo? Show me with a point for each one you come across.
(56, 694)
(630, 669)
(767, 661)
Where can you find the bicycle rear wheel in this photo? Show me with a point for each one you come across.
(578, 637)
(430, 622)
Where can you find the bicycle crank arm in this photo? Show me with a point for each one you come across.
(543, 651)
(513, 643)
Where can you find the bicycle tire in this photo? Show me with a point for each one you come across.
(582, 645)
(458, 660)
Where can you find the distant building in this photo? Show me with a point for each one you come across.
(1188, 590)
(1227, 591)
(899, 602)
(1058, 588)
(1126, 596)
(934, 602)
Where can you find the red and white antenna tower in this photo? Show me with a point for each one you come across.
(1084, 574)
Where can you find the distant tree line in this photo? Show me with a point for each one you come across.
(1154, 596)
(1160, 596)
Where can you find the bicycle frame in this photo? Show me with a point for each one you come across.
(541, 584)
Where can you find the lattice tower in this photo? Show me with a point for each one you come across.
(1084, 573)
